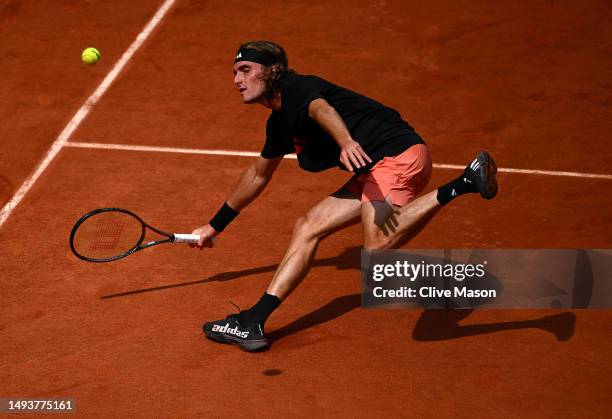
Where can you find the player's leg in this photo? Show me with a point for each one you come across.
(331, 214)
(387, 225)
(327, 216)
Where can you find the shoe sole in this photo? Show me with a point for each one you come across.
(490, 181)
(248, 346)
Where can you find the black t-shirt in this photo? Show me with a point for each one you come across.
(379, 130)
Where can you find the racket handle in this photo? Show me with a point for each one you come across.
(186, 238)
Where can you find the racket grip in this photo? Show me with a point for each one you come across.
(186, 238)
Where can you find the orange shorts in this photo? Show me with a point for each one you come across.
(400, 178)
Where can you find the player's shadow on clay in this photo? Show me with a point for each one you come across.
(330, 311)
(444, 324)
(432, 324)
(348, 259)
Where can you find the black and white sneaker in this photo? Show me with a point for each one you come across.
(231, 330)
(480, 174)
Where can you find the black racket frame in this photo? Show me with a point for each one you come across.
(139, 245)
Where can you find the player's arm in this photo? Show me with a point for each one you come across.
(252, 182)
(325, 115)
(249, 185)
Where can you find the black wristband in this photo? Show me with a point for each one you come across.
(223, 217)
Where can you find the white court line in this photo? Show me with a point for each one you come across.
(167, 149)
(76, 120)
(293, 156)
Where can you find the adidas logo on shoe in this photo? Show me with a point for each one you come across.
(251, 338)
(227, 329)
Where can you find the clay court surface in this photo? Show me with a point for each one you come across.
(529, 81)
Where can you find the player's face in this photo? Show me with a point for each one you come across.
(248, 82)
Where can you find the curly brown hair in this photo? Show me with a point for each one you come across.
(274, 73)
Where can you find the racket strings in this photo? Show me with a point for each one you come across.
(107, 234)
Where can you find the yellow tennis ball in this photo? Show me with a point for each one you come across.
(90, 55)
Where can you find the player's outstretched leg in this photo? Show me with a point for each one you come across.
(388, 227)
(246, 329)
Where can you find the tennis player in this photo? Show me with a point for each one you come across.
(330, 126)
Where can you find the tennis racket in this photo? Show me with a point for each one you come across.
(108, 234)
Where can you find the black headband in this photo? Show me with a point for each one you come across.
(261, 57)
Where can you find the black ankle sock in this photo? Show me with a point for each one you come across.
(259, 313)
(453, 189)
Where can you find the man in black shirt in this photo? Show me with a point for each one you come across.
(330, 126)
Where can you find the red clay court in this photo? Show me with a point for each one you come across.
(157, 127)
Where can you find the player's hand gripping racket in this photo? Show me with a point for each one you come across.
(108, 234)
